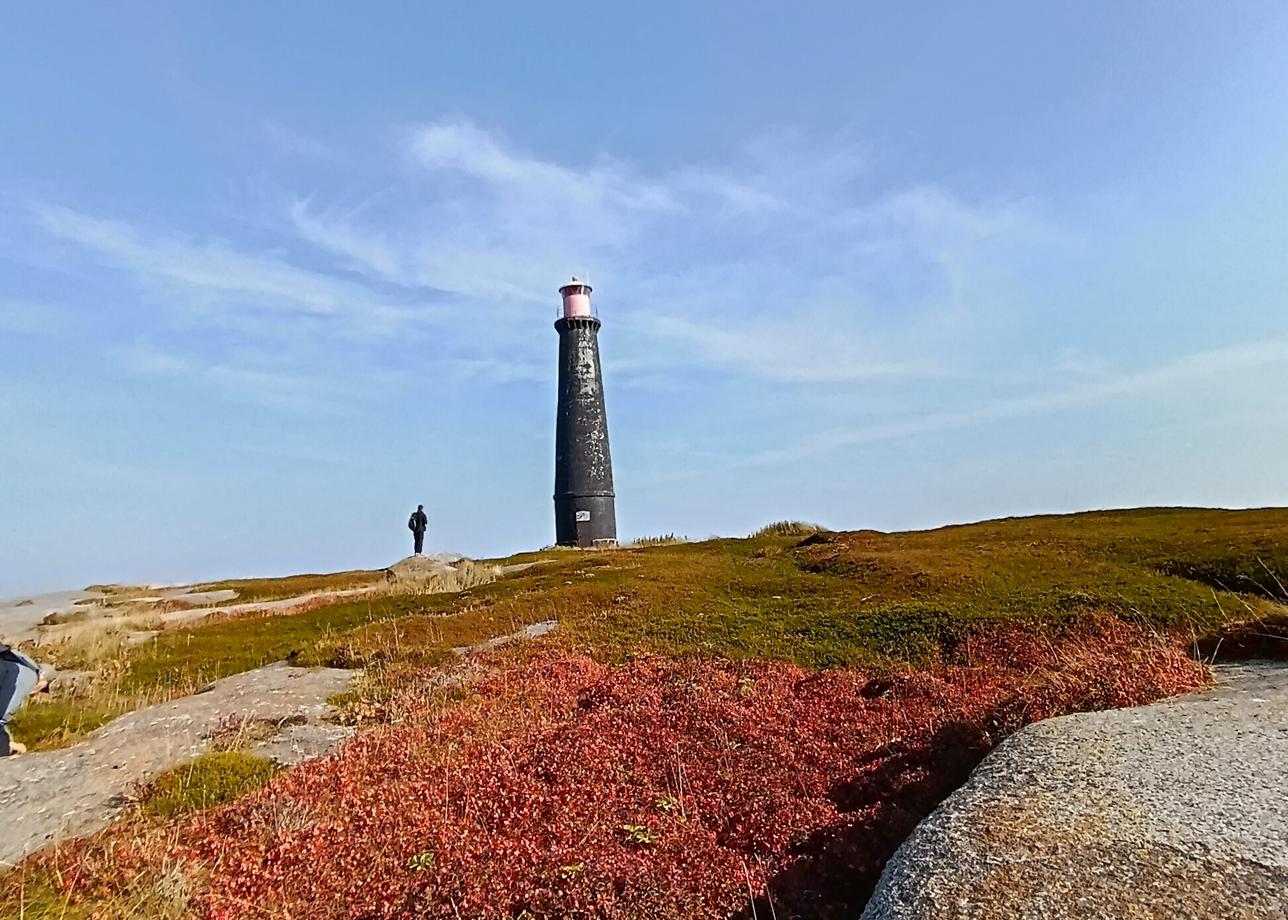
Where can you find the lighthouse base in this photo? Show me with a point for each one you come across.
(585, 520)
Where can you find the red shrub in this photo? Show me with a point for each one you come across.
(662, 788)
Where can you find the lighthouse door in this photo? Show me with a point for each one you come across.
(584, 538)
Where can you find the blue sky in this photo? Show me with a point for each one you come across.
(272, 274)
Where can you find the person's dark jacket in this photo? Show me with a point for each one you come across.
(418, 522)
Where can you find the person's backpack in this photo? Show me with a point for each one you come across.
(411, 521)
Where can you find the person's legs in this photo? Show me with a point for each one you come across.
(420, 541)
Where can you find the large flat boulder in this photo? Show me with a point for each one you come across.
(1174, 810)
(50, 796)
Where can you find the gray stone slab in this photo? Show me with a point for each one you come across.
(52, 795)
(1173, 810)
(298, 743)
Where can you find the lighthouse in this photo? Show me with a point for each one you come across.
(584, 512)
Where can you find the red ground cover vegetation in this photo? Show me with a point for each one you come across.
(562, 787)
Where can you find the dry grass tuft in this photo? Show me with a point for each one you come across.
(668, 539)
(788, 529)
(463, 575)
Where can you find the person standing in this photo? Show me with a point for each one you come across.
(418, 523)
(19, 677)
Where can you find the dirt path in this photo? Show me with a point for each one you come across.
(138, 612)
(284, 604)
(48, 796)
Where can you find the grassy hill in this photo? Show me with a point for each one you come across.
(756, 721)
(864, 597)
(827, 599)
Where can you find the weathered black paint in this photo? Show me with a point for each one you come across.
(583, 466)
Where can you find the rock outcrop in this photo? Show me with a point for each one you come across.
(1174, 810)
(52, 795)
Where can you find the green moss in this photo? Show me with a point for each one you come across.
(186, 658)
(835, 598)
(47, 724)
(862, 597)
(1239, 571)
(269, 589)
(210, 780)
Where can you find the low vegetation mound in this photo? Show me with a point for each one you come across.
(788, 529)
(272, 589)
(563, 787)
(864, 598)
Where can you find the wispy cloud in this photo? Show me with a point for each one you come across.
(781, 350)
(272, 283)
(773, 265)
(1219, 364)
(249, 381)
(364, 250)
(462, 147)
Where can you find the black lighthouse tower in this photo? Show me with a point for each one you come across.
(584, 512)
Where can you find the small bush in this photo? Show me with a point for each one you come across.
(666, 539)
(788, 529)
(210, 780)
